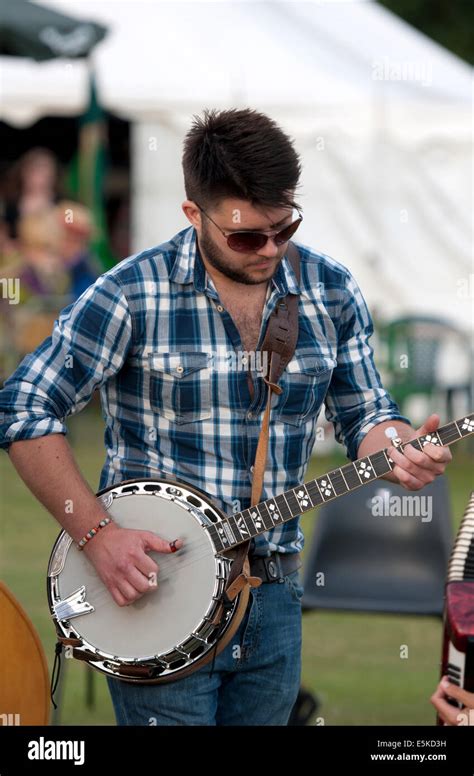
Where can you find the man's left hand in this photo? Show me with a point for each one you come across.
(415, 469)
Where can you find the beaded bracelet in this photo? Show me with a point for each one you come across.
(90, 534)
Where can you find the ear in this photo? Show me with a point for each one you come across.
(192, 213)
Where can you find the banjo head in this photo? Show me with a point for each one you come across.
(169, 627)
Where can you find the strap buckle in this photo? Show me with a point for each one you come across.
(273, 566)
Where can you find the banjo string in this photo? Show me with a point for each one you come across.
(166, 569)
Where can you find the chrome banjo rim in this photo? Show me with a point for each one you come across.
(196, 646)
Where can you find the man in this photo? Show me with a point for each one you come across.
(151, 334)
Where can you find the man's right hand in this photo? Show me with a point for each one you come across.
(120, 558)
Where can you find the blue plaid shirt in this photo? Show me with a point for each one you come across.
(152, 335)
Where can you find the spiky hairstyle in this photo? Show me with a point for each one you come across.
(242, 154)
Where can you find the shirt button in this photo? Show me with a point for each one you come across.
(180, 369)
(252, 468)
(220, 308)
(249, 415)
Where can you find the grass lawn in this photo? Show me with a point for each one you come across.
(351, 661)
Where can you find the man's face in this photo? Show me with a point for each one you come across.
(238, 215)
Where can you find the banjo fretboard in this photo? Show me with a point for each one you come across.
(251, 522)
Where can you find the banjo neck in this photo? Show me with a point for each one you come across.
(242, 526)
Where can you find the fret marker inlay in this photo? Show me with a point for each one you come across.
(242, 527)
(365, 470)
(302, 499)
(430, 438)
(274, 511)
(257, 520)
(326, 487)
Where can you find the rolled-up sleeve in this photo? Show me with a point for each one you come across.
(88, 344)
(356, 400)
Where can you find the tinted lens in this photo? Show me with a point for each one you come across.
(246, 242)
(287, 233)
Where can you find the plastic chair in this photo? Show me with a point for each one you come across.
(426, 355)
(375, 561)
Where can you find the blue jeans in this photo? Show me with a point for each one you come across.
(255, 680)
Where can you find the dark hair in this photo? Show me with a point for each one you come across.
(242, 154)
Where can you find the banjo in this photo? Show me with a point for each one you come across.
(196, 607)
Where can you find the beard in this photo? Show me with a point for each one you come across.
(213, 254)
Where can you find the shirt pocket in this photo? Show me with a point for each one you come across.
(305, 383)
(180, 386)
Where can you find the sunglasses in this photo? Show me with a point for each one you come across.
(247, 242)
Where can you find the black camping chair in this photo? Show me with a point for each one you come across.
(375, 561)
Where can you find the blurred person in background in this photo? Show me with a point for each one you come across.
(76, 230)
(31, 186)
(8, 249)
(9, 297)
(41, 281)
(40, 268)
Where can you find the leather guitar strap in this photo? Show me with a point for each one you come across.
(279, 344)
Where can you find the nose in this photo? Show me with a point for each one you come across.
(269, 250)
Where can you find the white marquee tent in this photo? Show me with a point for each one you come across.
(380, 114)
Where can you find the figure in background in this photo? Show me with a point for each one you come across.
(9, 297)
(37, 284)
(41, 270)
(32, 187)
(8, 250)
(76, 230)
